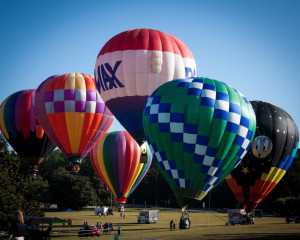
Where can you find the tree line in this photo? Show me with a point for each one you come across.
(56, 184)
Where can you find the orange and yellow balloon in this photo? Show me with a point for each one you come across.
(71, 111)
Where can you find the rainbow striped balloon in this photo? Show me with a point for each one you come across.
(71, 111)
(116, 159)
(19, 126)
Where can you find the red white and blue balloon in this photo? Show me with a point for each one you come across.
(131, 65)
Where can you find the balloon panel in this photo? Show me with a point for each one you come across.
(116, 159)
(72, 112)
(259, 173)
(132, 65)
(20, 127)
(198, 130)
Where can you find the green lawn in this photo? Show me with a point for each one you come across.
(203, 226)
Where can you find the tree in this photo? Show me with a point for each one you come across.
(15, 188)
(55, 160)
(101, 190)
(154, 189)
(70, 190)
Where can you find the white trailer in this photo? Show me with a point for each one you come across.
(148, 216)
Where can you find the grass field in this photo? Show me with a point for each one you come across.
(203, 226)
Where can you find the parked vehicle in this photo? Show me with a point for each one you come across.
(88, 230)
(148, 216)
(239, 216)
(103, 211)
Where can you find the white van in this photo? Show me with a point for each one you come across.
(101, 210)
(148, 216)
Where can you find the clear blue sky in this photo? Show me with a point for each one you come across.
(252, 45)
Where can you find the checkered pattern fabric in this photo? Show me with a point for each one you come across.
(170, 167)
(209, 97)
(73, 100)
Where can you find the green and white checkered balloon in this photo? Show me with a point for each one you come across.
(198, 130)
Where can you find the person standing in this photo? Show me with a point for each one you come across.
(171, 225)
(17, 230)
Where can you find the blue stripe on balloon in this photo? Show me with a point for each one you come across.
(172, 164)
(177, 137)
(209, 87)
(183, 84)
(198, 158)
(234, 108)
(231, 127)
(190, 128)
(204, 169)
(164, 127)
(239, 140)
(288, 164)
(188, 148)
(222, 96)
(209, 102)
(176, 117)
(211, 152)
(202, 140)
(221, 114)
(244, 121)
(156, 100)
(164, 108)
(217, 162)
(240, 152)
(249, 134)
(194, 91)
(199, 80)
(154, 118)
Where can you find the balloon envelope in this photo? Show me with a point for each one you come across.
(198, 129)
(72, 113)
(116, 159)
(20, 127)
(131, 65)
(272, 152)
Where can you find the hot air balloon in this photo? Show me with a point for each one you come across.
(71, 111)
(272, 152)
(116, 159)
(198, 130)
(20, 128)
(131, 65)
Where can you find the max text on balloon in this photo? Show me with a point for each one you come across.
(107, 75)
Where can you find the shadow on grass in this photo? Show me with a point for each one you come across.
(264, 236)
